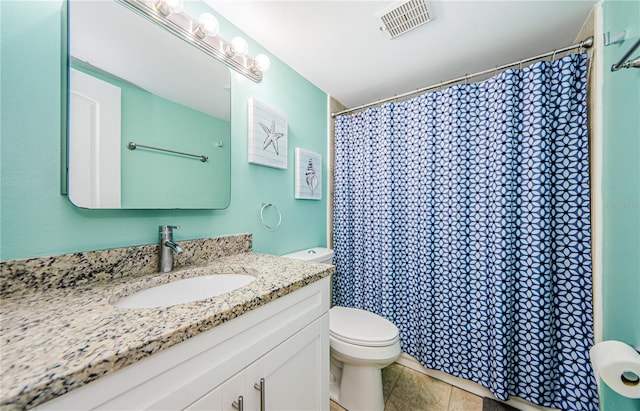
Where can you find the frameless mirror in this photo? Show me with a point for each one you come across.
(148, 115)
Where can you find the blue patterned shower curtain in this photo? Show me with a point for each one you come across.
(463, 217)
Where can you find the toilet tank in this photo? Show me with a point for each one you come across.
(317, 254)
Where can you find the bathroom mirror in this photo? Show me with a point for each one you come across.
(148, 115)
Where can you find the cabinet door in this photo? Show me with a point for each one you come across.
(211, 401)
(222, 397)
(296, 373)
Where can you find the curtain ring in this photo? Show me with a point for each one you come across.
(466, 79)
(270, 227)
(553, 58)
(441, 86)
(520, 65)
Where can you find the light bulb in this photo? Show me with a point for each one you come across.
(262, 62)
(239, 46)
(208, 26)
(175, 6)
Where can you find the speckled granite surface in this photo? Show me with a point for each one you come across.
(58, 339)
(69, 270)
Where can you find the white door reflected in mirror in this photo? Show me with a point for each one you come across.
(94, 142)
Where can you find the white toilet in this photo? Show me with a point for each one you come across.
(362, 344)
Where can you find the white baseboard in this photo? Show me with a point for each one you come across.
(472, 387)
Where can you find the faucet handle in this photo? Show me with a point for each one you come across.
(166, 229)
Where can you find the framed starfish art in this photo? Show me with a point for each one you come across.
(267, 135)
(308, 175)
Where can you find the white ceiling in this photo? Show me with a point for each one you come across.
(337, 45)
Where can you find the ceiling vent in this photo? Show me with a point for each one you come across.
(402, 16)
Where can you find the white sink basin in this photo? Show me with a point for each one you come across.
(185, 291)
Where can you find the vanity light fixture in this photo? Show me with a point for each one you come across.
(201, 33)
(166, 7)
(207, 26)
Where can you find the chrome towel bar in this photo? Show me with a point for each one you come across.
(624, 63)
(133, 146)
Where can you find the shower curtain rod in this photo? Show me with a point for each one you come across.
(585, 44)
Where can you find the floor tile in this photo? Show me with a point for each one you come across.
(493, 405)
(390, 377)
(405, 389)
(416, 391)
(462, 400)
(335, 407)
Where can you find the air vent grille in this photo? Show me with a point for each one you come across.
(402, 16)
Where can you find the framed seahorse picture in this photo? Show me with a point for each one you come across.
(308, 175)
(267, 135)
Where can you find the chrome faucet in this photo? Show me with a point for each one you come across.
(167, 248)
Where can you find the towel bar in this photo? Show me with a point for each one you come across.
(133, 146)
(624, 63)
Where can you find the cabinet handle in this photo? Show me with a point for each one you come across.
(260, 387)
(238, 405)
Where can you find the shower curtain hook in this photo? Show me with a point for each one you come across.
(466, 79)
(441, 86)
(553, 58)
(520, 65)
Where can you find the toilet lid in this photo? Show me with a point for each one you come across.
(360, 327)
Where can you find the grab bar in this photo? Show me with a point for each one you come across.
(133, 146)
(623, 63)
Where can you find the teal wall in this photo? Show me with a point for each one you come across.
(35, 220)
(155, 180)
(621, 191)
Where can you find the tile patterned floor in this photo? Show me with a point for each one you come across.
(405, 389)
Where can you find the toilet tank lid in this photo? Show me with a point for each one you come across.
(312, 254)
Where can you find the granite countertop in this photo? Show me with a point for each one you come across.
(57, 340)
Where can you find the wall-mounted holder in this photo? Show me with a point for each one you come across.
(270, 227)
(613, 38)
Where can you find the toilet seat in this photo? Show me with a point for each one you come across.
(362, 328)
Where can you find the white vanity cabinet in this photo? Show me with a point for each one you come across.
(285, 343)
(290, 375)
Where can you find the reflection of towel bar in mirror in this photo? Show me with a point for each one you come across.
(133, 146)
